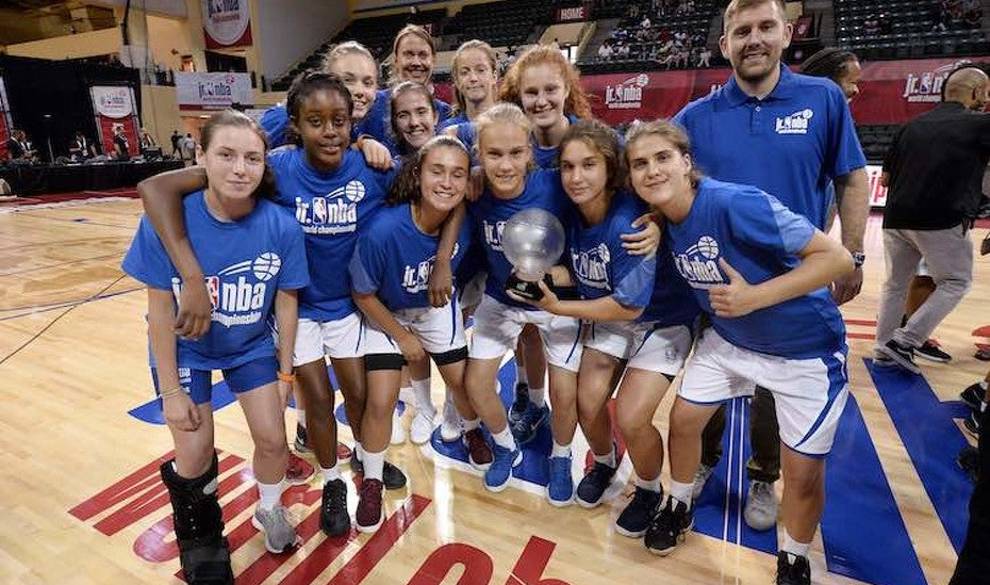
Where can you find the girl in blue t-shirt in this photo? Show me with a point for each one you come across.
(641, 315)
(760, 272)
(254, 260)
(354, 64)
(474, 71)
(331, 192)
(390, 274)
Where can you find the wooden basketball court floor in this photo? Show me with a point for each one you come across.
(80, 501)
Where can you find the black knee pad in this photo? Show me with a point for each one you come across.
(450, 357)
(383, 361)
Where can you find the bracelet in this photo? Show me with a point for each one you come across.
(283, 377)
(170, 393)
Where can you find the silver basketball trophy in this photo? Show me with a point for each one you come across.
(533, 240)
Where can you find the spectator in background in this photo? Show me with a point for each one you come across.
(839, 65)
(81, 148)
(705, 57)
(972, 13)
(175, 138)
(120, 144)
(935, 170)
(605, 51)
(188, 145)
(871, 25)
(147, 140)
(17, 145)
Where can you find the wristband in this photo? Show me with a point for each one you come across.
(283, 377)
(170, 393)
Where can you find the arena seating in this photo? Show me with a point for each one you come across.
(506, 24)
(905, 29)
(876, 140)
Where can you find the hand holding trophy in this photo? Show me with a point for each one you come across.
(533, 240)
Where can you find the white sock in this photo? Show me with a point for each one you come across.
(269, 494)
(374, 463)
(607, 459)
(791, 546)
(504, 439)
(330, 474)
(358, 451)
(424, 404)
(301, 417)
(537, 395)
(561, 450)
(470, 425)
(521, 375)
(681, 492)
(652, 485)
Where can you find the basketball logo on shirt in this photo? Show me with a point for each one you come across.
(493, 234)
(699, 264)
(237, 293)
(796, 123)
(416, 279)
(333, 213)
(591, 266)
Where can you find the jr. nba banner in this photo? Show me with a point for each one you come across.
(226, 23)
(5, 121)
(115, 107)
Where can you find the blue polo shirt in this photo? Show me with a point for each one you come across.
(792, 144)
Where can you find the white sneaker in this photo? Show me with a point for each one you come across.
(407, 395)
(450, 426)
(422, 427)
(398, 431)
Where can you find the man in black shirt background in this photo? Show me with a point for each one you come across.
(935, 171)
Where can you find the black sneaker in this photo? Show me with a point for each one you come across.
(972, 424)
(334, 520)
(520, 404)
(392, 476)
(973, 396)
(901, 355)
(302, 440)
(593, 485)
(667, 528)
(635, 518)
(930, 351)
(969, 461)
(793, 572)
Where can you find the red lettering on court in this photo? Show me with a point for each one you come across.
(532, 562)
(478, 566)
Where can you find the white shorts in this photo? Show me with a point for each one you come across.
(470, 295)
(439, 329)
(338, 339)
(645, 346)
(810, 393)
(497, 327)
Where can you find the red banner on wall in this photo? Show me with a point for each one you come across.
(226, 23)
(572, 14)
(115, 108)
(891, 92)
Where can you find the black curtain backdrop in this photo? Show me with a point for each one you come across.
(36, 87)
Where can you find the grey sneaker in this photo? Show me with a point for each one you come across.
(700, 479)
(280, 535)
(761, 506)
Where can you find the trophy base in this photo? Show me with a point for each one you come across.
(524, 288)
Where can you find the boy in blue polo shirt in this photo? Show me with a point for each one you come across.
(792, 136)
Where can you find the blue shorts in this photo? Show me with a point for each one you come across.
(198, 384)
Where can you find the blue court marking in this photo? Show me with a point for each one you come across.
(928, 431)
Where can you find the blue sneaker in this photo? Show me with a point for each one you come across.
(560, 490)
(525, 427)
(500, 471)
(520, 404)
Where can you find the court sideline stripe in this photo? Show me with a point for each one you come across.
(37, 335)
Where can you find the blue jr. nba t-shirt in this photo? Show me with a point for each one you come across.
(599, 263)
(245, 263)
(791, 144)
(394, 258)
(488, 214)
(330, 207)
(761, 239)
